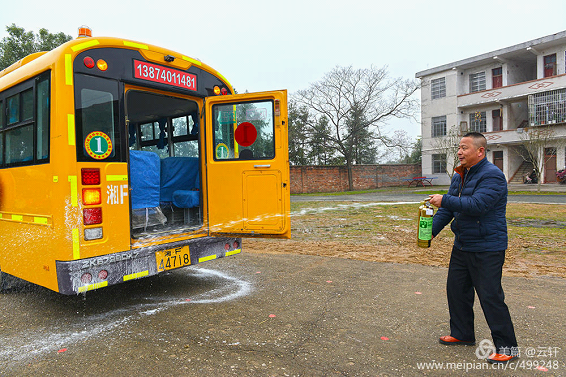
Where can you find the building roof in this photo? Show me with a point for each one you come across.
(509, 53)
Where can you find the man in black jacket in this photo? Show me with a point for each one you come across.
(475, 203)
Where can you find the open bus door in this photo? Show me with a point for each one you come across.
(247, 165)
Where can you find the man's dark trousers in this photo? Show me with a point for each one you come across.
(482, 271)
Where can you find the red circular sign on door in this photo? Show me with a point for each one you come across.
(246, 134)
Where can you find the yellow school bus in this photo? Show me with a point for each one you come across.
(121, 160)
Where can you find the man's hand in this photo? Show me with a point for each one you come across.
(436, 200)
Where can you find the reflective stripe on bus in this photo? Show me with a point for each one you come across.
(116, 177)
(137, 275)
(91, 287)
(68, 69)
(136, 45)
(71, 128)
(204, 259)
(74, 190)
(26, 218)
(76, 243)
(84, 45)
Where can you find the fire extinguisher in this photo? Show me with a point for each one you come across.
(424, 230)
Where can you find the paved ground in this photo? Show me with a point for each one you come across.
(271, 315)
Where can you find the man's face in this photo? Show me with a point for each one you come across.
(468, 153)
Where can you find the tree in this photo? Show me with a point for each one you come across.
(415, 156)
(357, 104)
(534, 142)
(20, 44)
(298, 143)
(449, 144)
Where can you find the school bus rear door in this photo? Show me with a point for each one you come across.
(247, 164)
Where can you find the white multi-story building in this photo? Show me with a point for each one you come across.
(515, 96)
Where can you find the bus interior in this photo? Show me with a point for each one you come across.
(164, 164)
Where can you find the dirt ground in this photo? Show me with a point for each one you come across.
(526, 256)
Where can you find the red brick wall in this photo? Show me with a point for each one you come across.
(308, 179)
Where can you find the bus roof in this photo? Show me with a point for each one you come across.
(75, 46)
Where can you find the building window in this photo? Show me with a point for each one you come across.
(438, 88)
(439, 126)
(497, 77)
(550, 65)
(477, 82)
(547, 107)
(477, 121)
(497, 119)
(438, 163)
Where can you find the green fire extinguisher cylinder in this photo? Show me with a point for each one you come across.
(424, 230)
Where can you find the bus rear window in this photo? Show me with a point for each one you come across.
(244, 131)
(97, 121)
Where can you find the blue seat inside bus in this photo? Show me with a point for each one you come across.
(145, 179)
(180, 181)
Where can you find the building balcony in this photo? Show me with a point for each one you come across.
(517, 136)
(511, 93)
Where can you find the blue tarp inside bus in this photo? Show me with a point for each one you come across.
(180, 181)
(145, 179)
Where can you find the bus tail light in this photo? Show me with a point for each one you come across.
(86, 278)
(88, 62)
(102, 274)
(277, 106)
(92, 216)
(101, 64)
(90, 176)
(92, 196)
(93, 234)
(218, 91)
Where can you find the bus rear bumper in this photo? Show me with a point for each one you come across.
(79, 276)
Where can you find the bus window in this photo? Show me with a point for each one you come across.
(19, 145)
(13, 109)
(23, 127)
(27, 105)
(96, 101)
(154, 137)
(43, 119)
(185, 137)
(244, 131)
(1, 134)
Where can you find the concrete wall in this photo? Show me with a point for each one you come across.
(309, 179)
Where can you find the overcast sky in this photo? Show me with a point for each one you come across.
(264, 45)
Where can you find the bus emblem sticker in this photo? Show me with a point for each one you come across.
(98, 145)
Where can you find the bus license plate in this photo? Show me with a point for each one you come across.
(173, 258)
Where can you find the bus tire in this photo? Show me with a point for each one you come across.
(3, 284)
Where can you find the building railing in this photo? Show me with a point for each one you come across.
(512, 93)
